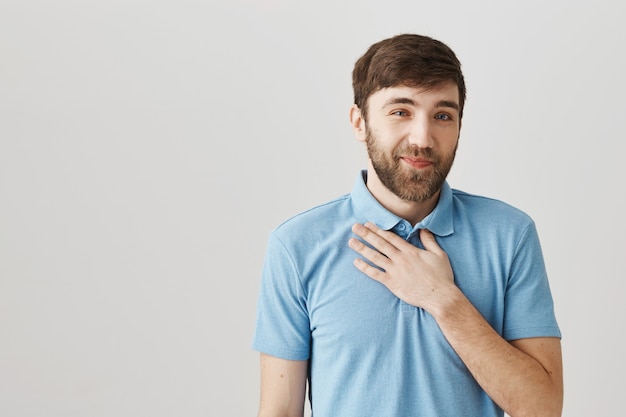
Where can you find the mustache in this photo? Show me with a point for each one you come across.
(413, 151)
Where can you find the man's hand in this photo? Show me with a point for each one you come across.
(420, 277)
(524, 377)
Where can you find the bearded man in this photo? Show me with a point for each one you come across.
(407, 297)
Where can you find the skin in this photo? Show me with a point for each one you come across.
(524, 377)
(283, 387)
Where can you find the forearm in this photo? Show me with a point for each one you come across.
(516, 381)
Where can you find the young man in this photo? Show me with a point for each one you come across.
(406, 297)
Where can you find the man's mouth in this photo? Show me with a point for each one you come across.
(418, 163)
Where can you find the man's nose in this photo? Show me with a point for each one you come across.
(421, 133)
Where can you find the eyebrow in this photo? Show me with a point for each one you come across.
(405, 100)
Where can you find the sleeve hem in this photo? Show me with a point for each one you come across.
(529, 332)
(283, 353)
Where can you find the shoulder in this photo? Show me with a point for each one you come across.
(487, 208)
(316, 220)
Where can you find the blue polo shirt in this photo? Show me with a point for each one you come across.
(371, 354)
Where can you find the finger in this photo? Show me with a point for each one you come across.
(376, 237)
(369, 270)
(429, 241)
(395, 240)
(377, 258)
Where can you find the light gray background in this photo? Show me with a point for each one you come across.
(147, 148)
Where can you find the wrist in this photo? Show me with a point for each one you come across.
(445, 302)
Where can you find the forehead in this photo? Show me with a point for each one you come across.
(447, 91)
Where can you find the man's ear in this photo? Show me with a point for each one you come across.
(358, 123)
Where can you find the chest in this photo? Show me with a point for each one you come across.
(345, 305)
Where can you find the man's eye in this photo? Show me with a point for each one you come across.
(443, 116)
(399, 113)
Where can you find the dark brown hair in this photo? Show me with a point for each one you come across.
(407, 59)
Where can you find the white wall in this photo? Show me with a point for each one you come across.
(148, 147)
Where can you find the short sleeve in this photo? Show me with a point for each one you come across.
(529, 308)
(282, 323)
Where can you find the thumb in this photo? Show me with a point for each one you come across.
(428, 240)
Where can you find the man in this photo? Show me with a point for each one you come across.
(406, 297)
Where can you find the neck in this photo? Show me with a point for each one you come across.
(412, 211)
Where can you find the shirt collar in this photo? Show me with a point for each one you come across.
(440, 221)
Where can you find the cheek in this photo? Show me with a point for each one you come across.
(448, 138)
(389, 137)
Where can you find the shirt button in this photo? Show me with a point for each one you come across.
(401, 226)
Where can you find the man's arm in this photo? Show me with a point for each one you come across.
(283, 387)
(524, 377)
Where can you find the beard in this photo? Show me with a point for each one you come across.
(409, 184)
